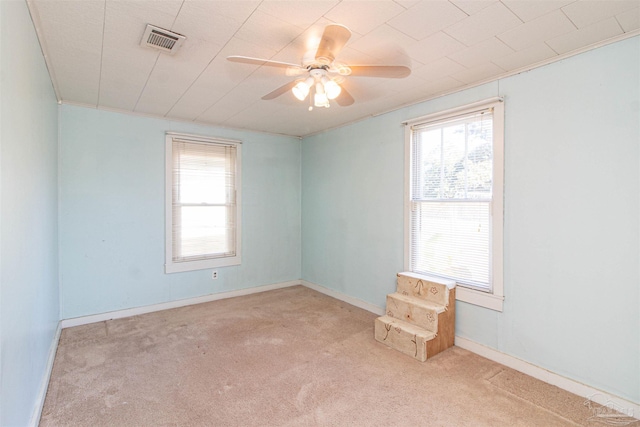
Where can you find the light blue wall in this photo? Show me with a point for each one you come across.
(29, 304)
(112, 213)
(572, 215)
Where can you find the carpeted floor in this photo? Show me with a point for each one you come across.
(289, 357)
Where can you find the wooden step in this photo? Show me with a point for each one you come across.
(417, 311)
(425, 287)
(420, 319)
(404, 337)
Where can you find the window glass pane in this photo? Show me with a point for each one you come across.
(203, 231)
(480, 158)
(454, 160)
(452, 167)
(454, 176)
(430, 163)
(202, 179)
(203, 202)
(203, 173)
(451, 239)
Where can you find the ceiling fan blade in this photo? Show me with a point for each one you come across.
(333, 39)
(260, 61)
(294, 72)
(390, 71)
(281, 90)
(344, 99)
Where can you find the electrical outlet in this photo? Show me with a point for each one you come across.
(214, 274)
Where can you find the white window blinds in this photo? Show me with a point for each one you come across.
(451, 197)
(203, 203)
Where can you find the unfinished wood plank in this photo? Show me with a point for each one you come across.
(446, 328)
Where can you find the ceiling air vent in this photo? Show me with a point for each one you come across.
(159, 38)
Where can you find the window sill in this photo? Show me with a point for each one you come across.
(177, 267)
(482, 299)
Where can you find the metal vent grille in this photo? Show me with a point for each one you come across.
(161, 39)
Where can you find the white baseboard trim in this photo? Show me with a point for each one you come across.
(44, 382)
(346, 298)
(94, 318)
(598, 396)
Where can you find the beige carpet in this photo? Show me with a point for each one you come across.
(289, 357)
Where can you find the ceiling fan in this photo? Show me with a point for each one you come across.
(324, 75)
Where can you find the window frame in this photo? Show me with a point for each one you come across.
(494, 299)
(172, 266)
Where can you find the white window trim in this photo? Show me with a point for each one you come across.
(176, 267)
(493, 300)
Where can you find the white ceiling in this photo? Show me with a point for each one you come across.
(93, 52)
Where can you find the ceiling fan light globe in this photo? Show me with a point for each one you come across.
(320, 100)
(332, 89)
(300, 90)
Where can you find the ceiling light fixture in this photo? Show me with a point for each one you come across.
(318, 66)
(320, 98)
(324, 89)
(301, 89)
(332, 88)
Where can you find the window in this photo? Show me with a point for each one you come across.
(455, 200)
(202, 202)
